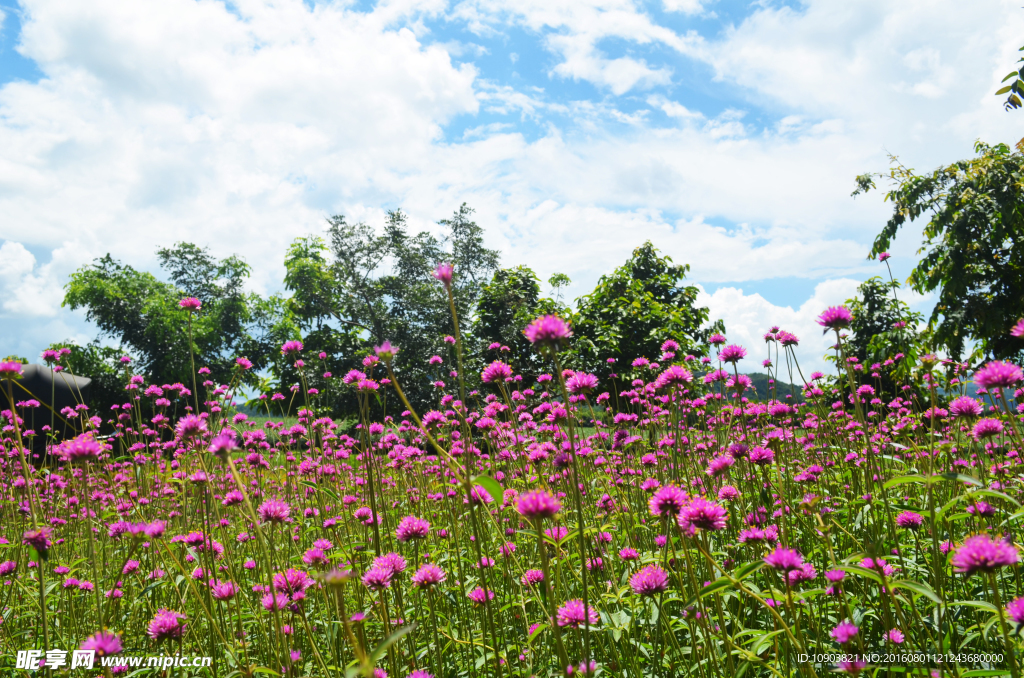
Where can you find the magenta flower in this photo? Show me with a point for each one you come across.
(732, 354)
(82, 448)
(965, 407)
(189, 426)
(427, 576)
(39, 540)
(998, 374)
(443, 273)
(649, 581)
(537, 505)
(884, 256)
(291, 347)
(479, 596)
(10, 370)
(411, 527)
(223, 443)
(986, 428)
(835, 317)
(1018, 329)
(1015, 610)
(673, 376)
(532, 577)
(981, 553)
(844, 632)
(496, 372)
(223, 590)
(386, 351)
(244, 363)
(761, 456)
(166, 625)
(895, 636)
(190, 304)
(274, 511)
(392, 561)
(103, 644)
(548, 330)
(419, 673)
(786, 338)
(704, 515)
(909, 520)
(377, 578)
(716, 339)
(571, 614)
(581, 382)
(784, 559)
(668, 500)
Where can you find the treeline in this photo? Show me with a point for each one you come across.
(356, 286)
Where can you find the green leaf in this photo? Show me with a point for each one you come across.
(379, 651)
(536, 632)
(491, 485)
(962, 478)
(903, 480)
(919, 588)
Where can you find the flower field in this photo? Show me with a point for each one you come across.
(665, 521)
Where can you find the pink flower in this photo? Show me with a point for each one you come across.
(290, 347)
(190, 304)
(10, 370)
(274, 511)
(998, 374)
(981, 553)
(1018, 329)
(548, 330)
(581, 382)
(668, 500)
(732, 354)
(784, 559)
(411, 527)
(496, 372)
(572, 614)
(649, 581)
(844, 632)
(986, 428)
(704, 515)
(386, 351)
(537, 505)
(443, 273)
(427, 576)
(835, 317)
(103, 644)
(166, 625)
(673, 376)
(965, 407)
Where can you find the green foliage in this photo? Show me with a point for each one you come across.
(507, 304)
(882, 328)
(1014, 88)
(974, 253)
(636, 308)
(142, 312)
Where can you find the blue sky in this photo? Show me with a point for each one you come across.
(728, 133)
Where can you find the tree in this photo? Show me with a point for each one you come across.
(102, 365)
(973, 250)
(882, 328)
(1014, 88)
(507, 304)
(142, 312)
(635, 309)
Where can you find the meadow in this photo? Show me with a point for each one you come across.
(696, 527)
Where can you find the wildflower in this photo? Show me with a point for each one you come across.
(572, 614)
(479, 596)
(80, 449)
(496, 372)
(998, 374)
(443, 273)
(190, 304)
(895, 636)
(290, 347)
(986, 428)
(391, 561)
(386, 351)
(427, 576)
(420, 674)
(223, 590)
(274, 511)
(704, 515)
(649, 581)
(844, 632)
(537, 505)
(668, 500)
(965, 407)
(909, 520)
(377, 578)
(39, 540)
(732, 354)
(1018, 329)
(1015, 610)
(103, 644)
(784, 559)
(244, 363)
(548, 330)
(981, 553)
(223, 443)
(835, 317)
(532, 577)
(166, 625)
(673, 376)
(581, 382)
(761, 456)
(411, 527)
(189, 426)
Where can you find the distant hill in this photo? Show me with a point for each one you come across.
(782, 388)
